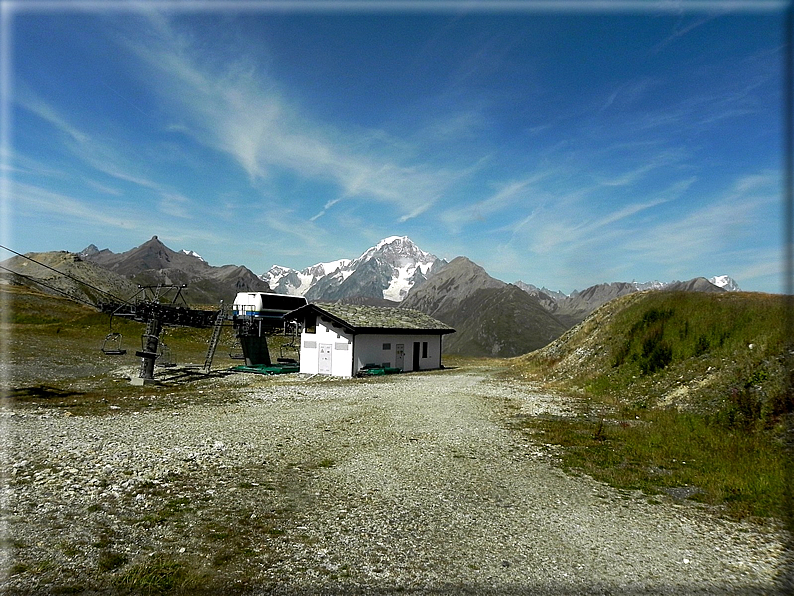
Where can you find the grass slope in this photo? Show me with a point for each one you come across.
(685, 393)
(51, 355)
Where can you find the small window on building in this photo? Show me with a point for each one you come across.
(386, 364)
(424, 349)
(310, 325)
(387, 346)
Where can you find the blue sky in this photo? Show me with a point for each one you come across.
(562, 144)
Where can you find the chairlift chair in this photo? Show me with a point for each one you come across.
(165, 357)
(236, 351)
(291, 330)
(112, 345)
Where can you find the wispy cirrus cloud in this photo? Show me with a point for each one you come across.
(104, 156)
(78, 215)
(748, 208)
(175, 204)
(760, 266)
(629, 92)
(103, 188)
(630, 177)
(30, 198)
(29, 100)
(673, 233)
(234, 107)
(507, 195)
(682, 27)
(574, 222)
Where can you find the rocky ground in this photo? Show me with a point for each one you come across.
(412, 483)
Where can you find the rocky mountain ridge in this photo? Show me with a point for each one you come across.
(153, 263)
(491, 318)
(56, 272)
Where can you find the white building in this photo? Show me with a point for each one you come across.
(341, 339)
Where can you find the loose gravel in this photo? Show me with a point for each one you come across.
(411, 483)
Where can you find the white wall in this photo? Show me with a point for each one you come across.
(341, 352)
(369, 350)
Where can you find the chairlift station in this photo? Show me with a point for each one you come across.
(335, 339)
(332, 339)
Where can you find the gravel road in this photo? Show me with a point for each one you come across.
(409, 483)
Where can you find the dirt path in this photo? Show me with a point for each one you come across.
(430, 489)
(412, 483)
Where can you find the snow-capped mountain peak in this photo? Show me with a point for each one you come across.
(398, 251)
(284, 280)
(725, 282)
(387, 270)
(393, 240)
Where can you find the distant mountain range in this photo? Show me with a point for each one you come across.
(492, 318)
(575, 308)
(153, 263)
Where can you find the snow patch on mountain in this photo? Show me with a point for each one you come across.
(191, 253)
(649, 285)
(402, 282)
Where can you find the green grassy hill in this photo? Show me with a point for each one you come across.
(691, 350)
(680, 390)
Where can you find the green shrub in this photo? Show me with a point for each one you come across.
(656, 354)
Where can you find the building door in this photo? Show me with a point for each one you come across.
(400, 362)
(416, 355)
(324, 367)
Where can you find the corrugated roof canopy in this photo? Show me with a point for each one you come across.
(359, 318)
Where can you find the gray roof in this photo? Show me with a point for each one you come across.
(359, 318)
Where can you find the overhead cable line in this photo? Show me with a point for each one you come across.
(116, 298)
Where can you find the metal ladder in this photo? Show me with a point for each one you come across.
(216, 335)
